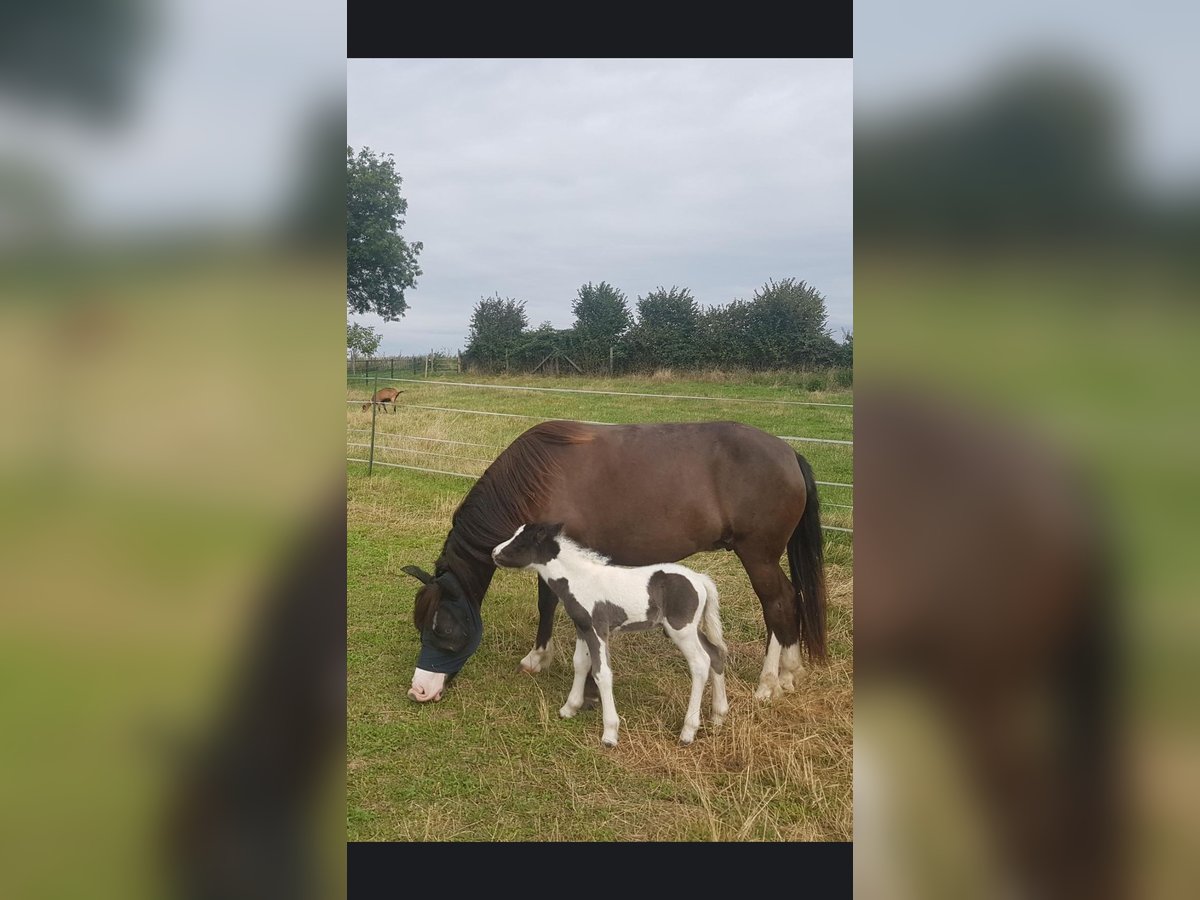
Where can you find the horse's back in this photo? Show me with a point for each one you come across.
(644, 494)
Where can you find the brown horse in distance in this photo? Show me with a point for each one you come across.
(384, 396)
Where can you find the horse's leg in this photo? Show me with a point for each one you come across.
(543, 648)
(768, 681)
(777, 597)
(699, 664)
(720, 702)
(575, 697)
(602, 672)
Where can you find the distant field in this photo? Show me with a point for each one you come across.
(492, 760)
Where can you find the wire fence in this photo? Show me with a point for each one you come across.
(495, 449)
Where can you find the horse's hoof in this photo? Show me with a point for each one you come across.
(609, 742)
(763, 692)
(590, 702)
(531, 663)
(566, 712)
(685, 741)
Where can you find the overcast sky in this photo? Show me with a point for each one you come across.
(530, 178)
(1144, 53)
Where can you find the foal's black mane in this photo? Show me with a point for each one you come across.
(511, 492)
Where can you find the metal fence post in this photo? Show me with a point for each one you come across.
(374, 407)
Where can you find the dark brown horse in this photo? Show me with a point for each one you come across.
(639, 494)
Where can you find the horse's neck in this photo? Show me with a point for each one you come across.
(474, 574)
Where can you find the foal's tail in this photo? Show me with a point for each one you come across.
(806, 559)
(710, 623)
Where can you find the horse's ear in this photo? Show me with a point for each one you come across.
(420, 574)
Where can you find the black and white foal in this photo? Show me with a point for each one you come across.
(602, 598)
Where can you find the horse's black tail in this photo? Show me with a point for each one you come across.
(806, 559)
(1086, 685)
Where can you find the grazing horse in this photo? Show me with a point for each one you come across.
(602, 598)
(383, 397)
(639, 495)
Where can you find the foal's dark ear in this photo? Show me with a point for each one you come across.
(553, 530)
(420, 574)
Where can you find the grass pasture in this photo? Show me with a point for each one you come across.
(492, 761)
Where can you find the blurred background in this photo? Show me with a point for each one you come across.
(172, 570)
(1027, 216)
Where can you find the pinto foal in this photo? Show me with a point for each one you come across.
(602, 598)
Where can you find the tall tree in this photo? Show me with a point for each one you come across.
(380, 264)
(666, 333)
(601, 318)
(497, 326)
(724, 333)
(788, 326)
(361, 340)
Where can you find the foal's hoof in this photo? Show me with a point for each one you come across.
(609, 743)
(590, 702)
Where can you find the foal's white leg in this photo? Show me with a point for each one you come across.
(608, 706)
(791, 667)
(699, 664)
(720, 702)
(768, 682)
(582, 660)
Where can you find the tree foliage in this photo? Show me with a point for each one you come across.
(380, 264)
(497, 331)
(667, 331)
(602, 317)
(788, 326)
(784, 326)
(361, 340)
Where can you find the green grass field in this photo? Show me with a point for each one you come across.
(492, 761)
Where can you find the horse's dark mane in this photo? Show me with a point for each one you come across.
(512, 491)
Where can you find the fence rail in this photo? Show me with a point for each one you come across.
(616, 394)
(550, 390)
(374, 431)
